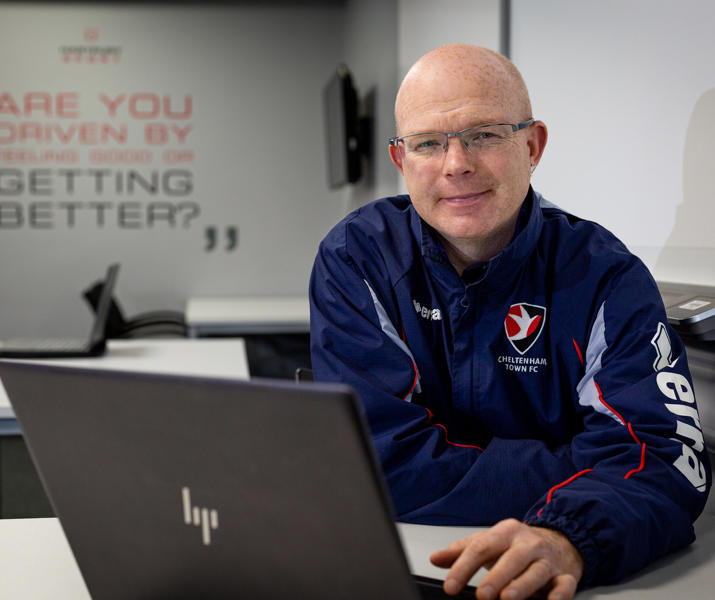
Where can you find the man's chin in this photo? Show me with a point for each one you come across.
(465, 229)
(460, 237)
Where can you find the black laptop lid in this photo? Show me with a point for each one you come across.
(183, 487)
(97, 336)
(94, 345)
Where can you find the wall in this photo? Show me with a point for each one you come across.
(630, 135)
(254, 134)
(628, 92)
(370, 50)
(424, 25)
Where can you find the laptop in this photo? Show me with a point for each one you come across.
(175, 486)
(68, 347)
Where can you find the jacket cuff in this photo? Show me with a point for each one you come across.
(582, 540)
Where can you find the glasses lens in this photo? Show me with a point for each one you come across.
(425, 144)
(487, 136)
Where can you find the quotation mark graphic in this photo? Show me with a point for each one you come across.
(199, 516)
(212, 238)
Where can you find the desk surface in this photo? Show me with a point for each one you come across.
(238, 316)
(689, 573)
(211, 357)
(37, 563)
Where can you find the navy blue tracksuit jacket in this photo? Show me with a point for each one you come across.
(544, 385)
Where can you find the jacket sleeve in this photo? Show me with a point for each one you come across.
(642, 472)
(431, 478)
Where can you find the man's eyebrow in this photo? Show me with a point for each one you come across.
(478, 122)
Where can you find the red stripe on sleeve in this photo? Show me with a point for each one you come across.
(600, 397)
(454, 443)
(578, 351)
(431, 416)
(633, 435)
(414, 382)
(640, 468)
(630, 430)
(560, 485)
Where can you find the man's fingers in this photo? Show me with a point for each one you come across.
(514, 570)
(532, 578)
(522, 561)
(445, 557)
(481, 549)
(564, 588)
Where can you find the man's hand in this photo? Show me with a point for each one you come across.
(523, 560)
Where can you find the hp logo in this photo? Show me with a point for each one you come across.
(194, 515)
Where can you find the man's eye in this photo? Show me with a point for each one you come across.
(425, 145)
(481, 137)
(487, 136)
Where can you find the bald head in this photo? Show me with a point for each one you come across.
(452, 75)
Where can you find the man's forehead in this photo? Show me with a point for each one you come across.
(455, 80)
(424, 114)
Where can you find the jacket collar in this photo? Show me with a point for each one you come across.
(508, 260)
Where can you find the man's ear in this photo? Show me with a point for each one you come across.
(537, 136)
(396, 156)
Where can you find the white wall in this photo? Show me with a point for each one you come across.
(424, 25)
(370, 50)
(623, 86)
(255, 73)
(628, 92)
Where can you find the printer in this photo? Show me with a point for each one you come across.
(690, 310)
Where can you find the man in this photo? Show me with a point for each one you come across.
(514, 361)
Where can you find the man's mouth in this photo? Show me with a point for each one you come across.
(465, 199)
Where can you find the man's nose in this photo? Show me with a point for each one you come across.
(457, 160)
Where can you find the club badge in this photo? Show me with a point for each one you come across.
(524, 324)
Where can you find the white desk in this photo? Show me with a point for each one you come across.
(211, 357)
(689, 573)
(238, 316)
(37, 563)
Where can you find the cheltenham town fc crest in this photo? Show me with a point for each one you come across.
(524, 324)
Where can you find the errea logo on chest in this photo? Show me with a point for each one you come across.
(431, 314)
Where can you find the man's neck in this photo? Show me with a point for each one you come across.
(463, 253)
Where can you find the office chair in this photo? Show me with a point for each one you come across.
(160, 323)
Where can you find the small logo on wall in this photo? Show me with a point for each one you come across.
(91, 34)
(524, 324)
(91, 52)
(202, 517)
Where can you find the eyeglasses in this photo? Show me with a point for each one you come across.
(481, 138)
